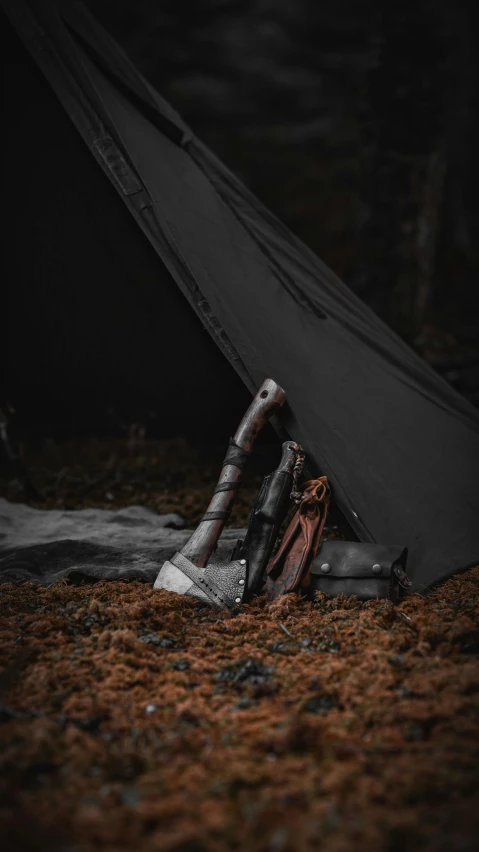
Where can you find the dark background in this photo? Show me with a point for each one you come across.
(355, 122)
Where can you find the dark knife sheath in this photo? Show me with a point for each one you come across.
(269, 511)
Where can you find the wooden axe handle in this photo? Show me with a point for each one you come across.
(268, 400)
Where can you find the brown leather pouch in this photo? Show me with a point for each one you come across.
(289, 571)
(361, 569)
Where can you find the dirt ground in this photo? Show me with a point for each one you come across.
(140, 720)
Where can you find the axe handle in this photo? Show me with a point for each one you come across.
(268, 400)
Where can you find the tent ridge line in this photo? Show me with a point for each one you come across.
(38, 45)
(113, 160)
(176, 134)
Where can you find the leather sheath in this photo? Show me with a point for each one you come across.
(219, 584)
(269, 511)
(361, 569)
(290, 569)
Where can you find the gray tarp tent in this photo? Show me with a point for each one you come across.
(183, 240)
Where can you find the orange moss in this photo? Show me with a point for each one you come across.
(139, 719)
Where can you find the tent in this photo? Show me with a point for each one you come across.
(136, 260)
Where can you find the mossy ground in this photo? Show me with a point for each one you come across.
(139, 720)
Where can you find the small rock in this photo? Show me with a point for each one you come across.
(289, 649)
(243, 704)
(329, 645)
(320, 704)
(332, 818)
(150, 638)
(181, 665)
(415, 733)
(278, 840)
(396, 660)
(245, 671)
(130, 795)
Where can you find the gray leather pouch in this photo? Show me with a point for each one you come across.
(361, 569)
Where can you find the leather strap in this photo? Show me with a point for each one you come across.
(226, 486)
(236, 455)
(220, 515)
(290, 568)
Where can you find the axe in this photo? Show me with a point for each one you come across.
(185, 572)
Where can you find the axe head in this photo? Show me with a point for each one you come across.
(219, 584)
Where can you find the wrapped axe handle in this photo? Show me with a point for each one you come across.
(268, 400)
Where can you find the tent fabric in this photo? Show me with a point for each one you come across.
(400, 447)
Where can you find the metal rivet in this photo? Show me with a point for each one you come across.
(241, 582)
(325, 568)
(242, 561)
(237, 600)
(377, 569)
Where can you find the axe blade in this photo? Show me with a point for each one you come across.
(172, 579)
